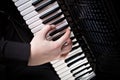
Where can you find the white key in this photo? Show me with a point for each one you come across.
(81, 73)
(85, 77)
(72, 35)
(65, 73)
(68, 76)
(73, 52)
(59, 63)
(28, 10)
(52, 14)
(88, 76)
(75, 44)
(81, 62)
(74, 39)
(56, 20)
(61, 24)
(62, 70)
(81, 68)
(39, 22)
(38, 28)
(71, 78)
(54, 61)
(30, 15)
(78, 57)
(14, 0)
(61, 66)
(33, 19)
(20, 2)
(25, 6)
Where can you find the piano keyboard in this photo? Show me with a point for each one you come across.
(38, 13)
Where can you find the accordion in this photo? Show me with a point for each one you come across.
(93, 31)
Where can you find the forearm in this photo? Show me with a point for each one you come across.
(14, 51)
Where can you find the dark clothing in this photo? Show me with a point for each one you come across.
(15, 48)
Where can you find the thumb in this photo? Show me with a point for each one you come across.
(46, 29)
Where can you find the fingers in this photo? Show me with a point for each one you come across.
(46, 29)
(66, 49)
(68, 42)
(64, 38)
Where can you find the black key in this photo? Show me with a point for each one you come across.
(47, 14)
(73, 43)
(44, 5)
(51, 18)
(36, 2)
(81, 71)
(72, 38)
(72, 57)
(75, 47)
(70, 64)
(58, 21)
(58, 30)
(57, 37)
(78, 67)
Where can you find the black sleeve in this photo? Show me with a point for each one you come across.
(11, 51)
(14, 50)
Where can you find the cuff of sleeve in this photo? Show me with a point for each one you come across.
(17, 51)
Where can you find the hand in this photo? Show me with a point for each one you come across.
(43, 50)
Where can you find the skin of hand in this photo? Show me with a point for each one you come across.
(43, 50)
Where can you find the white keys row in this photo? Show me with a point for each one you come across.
(59, 62)
(20, 2)
(33, 19)
(39, 27)
(34, 13)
